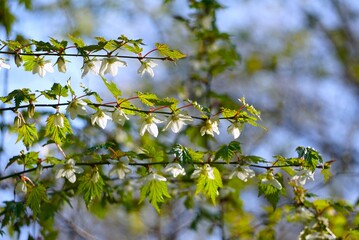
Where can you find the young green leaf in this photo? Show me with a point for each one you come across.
(35, 196)
(172, 54)
(29, 159)
(112, 87)
(209, 186)
(77, 41)
(27, 133)
(19, 96)
(156, 191)
(91, 187)
(182, 154)
(226, 152)
(57, 126)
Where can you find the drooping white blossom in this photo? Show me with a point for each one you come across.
(110, 65)
(61, 64)
(146, 67)
(90, 65)
(59, 120)
(177, 121)
(243, 173)
(119, 116)
(68, 170)
(100, 118)
(4, 64)
(235, 129)
(42, 66)
(206, 169)
(175, 169)
(269, 179)
(302, 176)
(150, 125)
(210, 127)
(155, 176)
(76, 107)
(120, 168)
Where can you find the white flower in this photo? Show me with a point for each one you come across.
(269, 179)
(68, 170)
(304, 213)
(146, 66)
(206, 169)
(23, 186)
(155, 176)
(121, 169)
(119, 116)
(76, 107)
(209, 128)
(59, 120)
(235, 129)
(111, 65)
(41, 67)
(175, 169)
(302, 176)
(4, 64)
(150, 125)
(100, 118)
(90, 65)
(318, 236)
(243, 173)
(95, 176)
(177, 121)
(61, 64)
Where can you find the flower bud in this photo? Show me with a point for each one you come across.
(31, 110)
(18, 60)
(17, 122)
(59, 120)
(95, 176)
(61, 65)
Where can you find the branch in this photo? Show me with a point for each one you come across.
(79, 55)
(146, 164)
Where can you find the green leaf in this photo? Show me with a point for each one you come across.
(12, 45)
(182, 154)
(226, 152)
(55, 132)
(29, 62)
(172, 54)
(147, 98)
(228, 113)
(19, 96)
(326, 174)
(29, 159)
(271, 193)
(208, 186)
(56, 90)
(59, 90)
(91, 187)
(151, 152)
(311, 157)
(155, 191)
(11, 212)
(77, 41)
(59, 46)
(27, 133)
(35, 196)
(253, 159)
(112, 87)
(199, 107)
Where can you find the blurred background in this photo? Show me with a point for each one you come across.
(296, 61)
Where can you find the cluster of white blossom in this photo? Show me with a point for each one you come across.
(108, 65)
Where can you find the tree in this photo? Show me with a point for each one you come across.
(168, 149)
